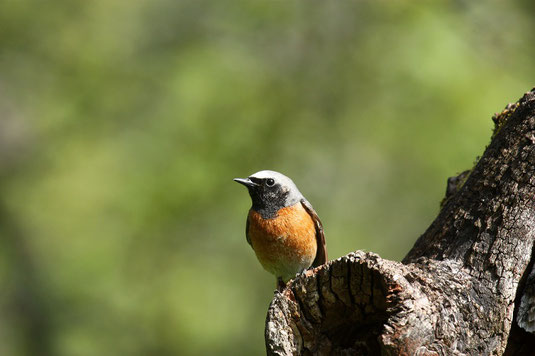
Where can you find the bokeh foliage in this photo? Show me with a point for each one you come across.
(122, 124)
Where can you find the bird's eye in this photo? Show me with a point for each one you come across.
(270, 182)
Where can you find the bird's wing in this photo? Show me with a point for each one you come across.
(247, 231)
(321, 254)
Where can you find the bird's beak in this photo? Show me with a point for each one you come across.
(246, 181)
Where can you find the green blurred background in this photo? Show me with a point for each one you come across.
(122, 124)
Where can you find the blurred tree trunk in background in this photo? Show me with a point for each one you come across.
(458, 291)
(27, 323)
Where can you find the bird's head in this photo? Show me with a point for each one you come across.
(270, 191)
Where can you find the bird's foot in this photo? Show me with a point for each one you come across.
(302, 273)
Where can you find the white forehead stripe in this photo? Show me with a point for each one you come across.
(268, 174)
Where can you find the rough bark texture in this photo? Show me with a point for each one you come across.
(459, 288)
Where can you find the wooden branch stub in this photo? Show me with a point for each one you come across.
(340, 306)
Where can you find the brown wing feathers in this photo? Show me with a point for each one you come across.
(321, 254)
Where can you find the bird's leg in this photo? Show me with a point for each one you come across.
(280, 284)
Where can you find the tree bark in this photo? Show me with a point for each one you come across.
(458, 290)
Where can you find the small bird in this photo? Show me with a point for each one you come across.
(282, 227)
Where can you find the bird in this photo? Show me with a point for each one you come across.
(282, 227)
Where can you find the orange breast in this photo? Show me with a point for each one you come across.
(286, 244)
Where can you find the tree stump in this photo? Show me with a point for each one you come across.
(463, 289)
